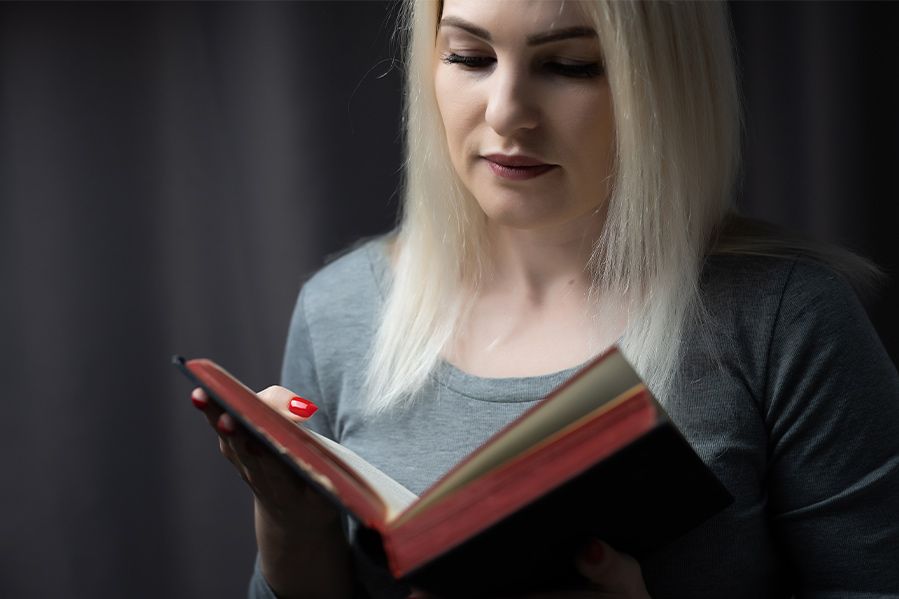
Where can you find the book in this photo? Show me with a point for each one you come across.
(596, 458)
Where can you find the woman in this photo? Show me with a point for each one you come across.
(569, 183)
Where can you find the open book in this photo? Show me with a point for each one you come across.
(597, 457)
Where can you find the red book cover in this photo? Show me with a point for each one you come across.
(597, 457)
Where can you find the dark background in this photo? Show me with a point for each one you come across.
(171, 172)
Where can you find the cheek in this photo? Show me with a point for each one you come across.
(457, 110)
(591, 130)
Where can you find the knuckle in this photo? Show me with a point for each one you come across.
(276, 397)
(270, 393)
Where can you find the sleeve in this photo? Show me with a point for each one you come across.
(833, 449)
(259, 588)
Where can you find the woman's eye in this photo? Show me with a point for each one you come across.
(471, 62)
(584, 70)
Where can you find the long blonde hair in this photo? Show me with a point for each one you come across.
(677, 113)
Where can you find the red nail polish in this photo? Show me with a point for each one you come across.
(302, 407)
(595, 552)
(199, 404)
(224, 425)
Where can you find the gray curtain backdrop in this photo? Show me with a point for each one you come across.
(170, 173)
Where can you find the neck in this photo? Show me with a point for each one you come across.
(533, 262)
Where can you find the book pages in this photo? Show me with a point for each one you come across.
(590, 390)
(395, 496)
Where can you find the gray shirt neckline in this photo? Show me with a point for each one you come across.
(502, 390)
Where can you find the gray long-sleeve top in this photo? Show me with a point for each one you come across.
(796, 410)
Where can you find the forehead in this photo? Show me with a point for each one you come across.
(519, 16)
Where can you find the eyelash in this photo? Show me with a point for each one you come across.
(578, 71)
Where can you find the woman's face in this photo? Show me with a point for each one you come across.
(526, 109)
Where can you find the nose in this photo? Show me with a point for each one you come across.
(512, 104)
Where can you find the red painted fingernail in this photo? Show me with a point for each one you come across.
(302, 407)
(199, 404)
(224, 425)
(595, 552)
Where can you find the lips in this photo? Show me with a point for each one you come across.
(517, 167)
(515, 160)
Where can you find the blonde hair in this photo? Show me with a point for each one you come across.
(677, 116)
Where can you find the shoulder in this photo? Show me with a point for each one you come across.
(761, 267)
(763, 317)
(336, 313)
(792, 325)
(362, 265)
(767, 289)
(350, 286)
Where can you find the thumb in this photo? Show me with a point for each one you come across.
(287, 403)
(611, 571)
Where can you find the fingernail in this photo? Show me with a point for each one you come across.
(594, 553)
(302, 407)
(199, 402)
(224, 424)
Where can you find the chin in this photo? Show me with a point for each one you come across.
(521, 218)
(539, 215)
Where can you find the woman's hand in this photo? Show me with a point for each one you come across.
(282, 495)
(612, 575)
(295, 525)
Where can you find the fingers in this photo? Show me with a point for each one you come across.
(233, 442)
(270, 480)
(288, 403)
(199, 398)
(282, 400)
(202, 402)
(248, 458)
(611, 571)
(237, 446)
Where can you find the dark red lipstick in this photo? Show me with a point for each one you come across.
(517, 167)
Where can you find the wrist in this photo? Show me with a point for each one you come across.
(310, 513)
(285, 550)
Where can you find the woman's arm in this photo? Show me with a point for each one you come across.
(312, 560)
(832, 414)
(308, 558)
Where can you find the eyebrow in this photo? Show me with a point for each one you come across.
(532, 40)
